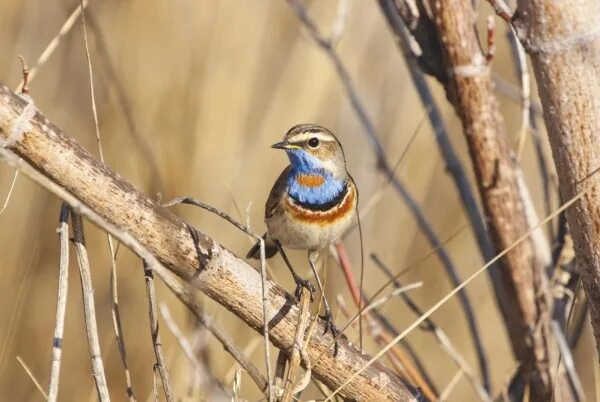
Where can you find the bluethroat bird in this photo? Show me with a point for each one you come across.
(312, 203)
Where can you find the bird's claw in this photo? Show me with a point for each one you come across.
(330, 326)
(304, 283)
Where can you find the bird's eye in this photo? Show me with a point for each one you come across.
(313, 142)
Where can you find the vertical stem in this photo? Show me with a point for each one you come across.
(61, 304)
(89, 308)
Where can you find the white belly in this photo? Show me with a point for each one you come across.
(306, 236)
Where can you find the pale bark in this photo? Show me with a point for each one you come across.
(97, 192)
(563, 41)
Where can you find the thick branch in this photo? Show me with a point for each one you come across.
(190, 254)
(563, 40)
(470, 89)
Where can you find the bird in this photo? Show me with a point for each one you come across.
(312, 203)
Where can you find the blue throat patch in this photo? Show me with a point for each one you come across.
(304, 164)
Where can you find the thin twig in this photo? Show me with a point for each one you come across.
(521, 66)
(113, 273)
(52, 46)
(442, 338)
(115, 80)
(32, 377)
(297, 348)
(10, 190)
(89, 308)
(61, 303)
(457, 172)
(263, 271)
(380, 335)
(186, 295)
(185, 345)
(247, 351)
(501, 9)
(451, 385)
(161, 363)
(294, 360)
(568, 362)
(456, 290)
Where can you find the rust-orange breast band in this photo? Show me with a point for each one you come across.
(344, 210)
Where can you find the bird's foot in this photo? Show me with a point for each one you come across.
(303, 283)
(330, 326)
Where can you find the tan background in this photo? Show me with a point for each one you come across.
(211, 85)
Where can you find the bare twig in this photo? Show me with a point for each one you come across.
(456, 170)
(10, 190)
(185, 293)
(116, 316)
(441, 336)
(451, 385)
(61, 303)
(185, 345)
(297, 349)
(89, 308)
(52, 46)
(522, 69)
(263, 271)
(159, 237)
(452, 293)
(568, 362)
(25, 72)
(248, 350)
(501, 9)
(380, 335)
(115, 80)
(161, 363)
(32, 377)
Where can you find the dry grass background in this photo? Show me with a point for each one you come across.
(211, 84)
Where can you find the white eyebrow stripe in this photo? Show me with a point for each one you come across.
(306, 136)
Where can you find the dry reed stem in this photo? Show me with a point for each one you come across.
(451, 385)
(32, 377)
(53, 45)
(157, 235)
(61, 303)
(10, 190)
(381, 336)
(441, 336)
(161, 363)
(89, 308)
(183, 342)
(113, 273)
(298, 347)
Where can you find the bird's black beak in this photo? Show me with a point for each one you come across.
(284, 145)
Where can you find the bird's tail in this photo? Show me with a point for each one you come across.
(270, 249)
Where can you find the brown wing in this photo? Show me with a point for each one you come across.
(277, 192)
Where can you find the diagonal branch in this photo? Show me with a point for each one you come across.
(63, 166)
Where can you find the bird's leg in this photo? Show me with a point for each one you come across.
(300, 283)
(327, 317)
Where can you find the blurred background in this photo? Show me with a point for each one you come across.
(191, 94)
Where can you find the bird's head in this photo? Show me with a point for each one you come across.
(312, 148)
